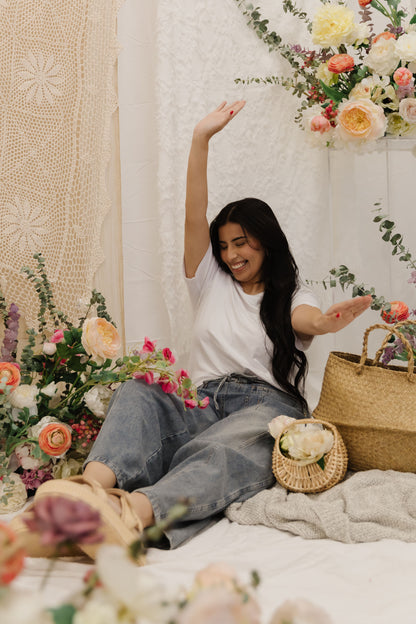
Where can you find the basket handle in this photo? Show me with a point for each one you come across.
(393, 330)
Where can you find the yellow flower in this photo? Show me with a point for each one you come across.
(100, 339)
(360, 120)
(333, 25)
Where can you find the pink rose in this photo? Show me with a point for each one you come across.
(26, 460)
(319, 123)
(340, 63)
(167, 385)
(168, 355)
(58, 336)
(191, 403)
(148, 346)
(203, 403)
(402, 76)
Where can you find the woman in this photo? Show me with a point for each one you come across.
(252, 322)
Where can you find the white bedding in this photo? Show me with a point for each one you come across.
(369, 583)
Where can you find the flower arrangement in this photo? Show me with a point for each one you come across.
(117, 590)
(357, 84)
(54, 396)
(306, 443)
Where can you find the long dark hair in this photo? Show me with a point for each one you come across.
(281, 278)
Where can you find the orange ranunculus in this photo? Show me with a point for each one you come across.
(55, 439)
(398, 312)
(363, 3)
(386, 34)
(9, 374)
(340, 63)
(11, 555)
(100, 339)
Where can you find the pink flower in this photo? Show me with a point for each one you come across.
(61, 521)
(402, 76)
(34, 478)
(148, 346)
(219, 604)
(340, 63)
(168, 355)
(149, 377)
(191, 403)
(168, 385)
(58, 336)
(319, 123)
(181, 375)
(203, 403)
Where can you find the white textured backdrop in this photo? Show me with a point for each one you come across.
(179, 60)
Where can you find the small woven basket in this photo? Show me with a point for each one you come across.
(311, 478)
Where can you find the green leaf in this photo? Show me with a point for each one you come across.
(321, 463)
(332, 93)
(413, 20)
(63, 614)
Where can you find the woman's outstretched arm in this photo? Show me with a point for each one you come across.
(308, 321)
(196, 224)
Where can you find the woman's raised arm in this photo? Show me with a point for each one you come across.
(196, 224)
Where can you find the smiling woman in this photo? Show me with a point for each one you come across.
(243, 255)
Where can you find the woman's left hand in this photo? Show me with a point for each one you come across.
(342, 314)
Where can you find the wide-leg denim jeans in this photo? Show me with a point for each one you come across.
(212, 456)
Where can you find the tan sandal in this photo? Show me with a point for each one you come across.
(118, 528)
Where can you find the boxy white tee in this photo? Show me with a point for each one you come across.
(228, 335)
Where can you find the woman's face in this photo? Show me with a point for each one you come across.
(244, 256)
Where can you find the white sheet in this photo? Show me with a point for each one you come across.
(356, 583)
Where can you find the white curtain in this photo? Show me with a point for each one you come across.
(179, 60)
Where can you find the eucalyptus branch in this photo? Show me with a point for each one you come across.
(386, 226)
(289, 6)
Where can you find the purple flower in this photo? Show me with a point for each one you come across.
(404, 91)
(34, 478)
(412, 278)
(61, 521)
(8, 350)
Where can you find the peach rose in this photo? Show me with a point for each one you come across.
(11, 555)
(398, 312)
(340, 63)
(100, 339)
(384, 35)
(10, 375)
(407, 109)
(402, 76)
(319, 123)
(55, 439)
(361, 120)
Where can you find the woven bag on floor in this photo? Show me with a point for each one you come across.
(372, 405)
(310, 478)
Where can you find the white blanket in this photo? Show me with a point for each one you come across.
(366, 507)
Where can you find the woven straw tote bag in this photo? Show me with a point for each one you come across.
(311, 478)
(372, 405)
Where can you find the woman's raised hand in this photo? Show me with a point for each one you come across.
(218, 119)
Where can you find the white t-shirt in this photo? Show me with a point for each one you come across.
(228, 335)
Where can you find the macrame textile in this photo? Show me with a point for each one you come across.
(57, 97)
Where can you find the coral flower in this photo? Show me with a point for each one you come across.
(340, 63)
(386, 34)
(398, 312)
(10, 375)
(100, 339)
(319, 123)
(55, 439)
(364, 3)
(11, 555)
(402, 76)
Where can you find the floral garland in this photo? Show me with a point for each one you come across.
(357, 85)
(54, 399)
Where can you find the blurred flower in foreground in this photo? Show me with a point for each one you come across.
(11, 555)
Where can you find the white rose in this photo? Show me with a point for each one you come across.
(361, 33)
(49, 348)
(279, 424)
(307, 443)
(16, 495)
(302, 611)
(24, 396)
(97, 400)
(407, 109)
(383, 57)
(50, 390)
(406, 47)
(34, 430)
(23, 452)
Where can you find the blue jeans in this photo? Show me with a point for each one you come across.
(213, 457)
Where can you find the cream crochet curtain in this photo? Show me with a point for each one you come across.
(57, 93)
